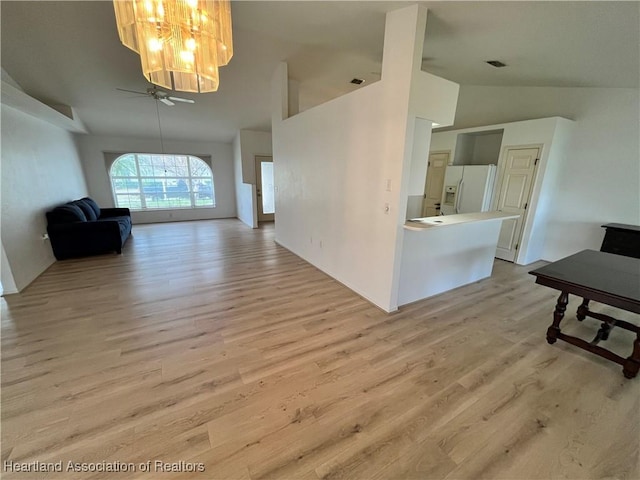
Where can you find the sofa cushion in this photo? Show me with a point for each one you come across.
(86, 209)
(68, 213)
(92, 203)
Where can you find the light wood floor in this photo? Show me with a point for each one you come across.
(207, 342)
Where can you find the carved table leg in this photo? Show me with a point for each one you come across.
(558, 314)
(632, 364)
(583, 309)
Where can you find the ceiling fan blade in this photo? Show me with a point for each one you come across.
(131, 91)
(166, 101)
(183, 100)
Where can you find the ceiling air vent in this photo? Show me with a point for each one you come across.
(496, 63)
(357, 81)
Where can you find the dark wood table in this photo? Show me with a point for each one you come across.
(602, 277)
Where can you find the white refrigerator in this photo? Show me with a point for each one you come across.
(467, 189)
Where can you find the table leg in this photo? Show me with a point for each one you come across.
(632, 363)
(558, 314)
(583, 309)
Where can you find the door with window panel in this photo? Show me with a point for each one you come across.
(265, 189)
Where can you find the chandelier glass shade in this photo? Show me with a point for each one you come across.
(181, 42)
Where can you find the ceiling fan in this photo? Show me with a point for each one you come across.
(161, 95)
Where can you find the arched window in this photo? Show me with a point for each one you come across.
(144, 181)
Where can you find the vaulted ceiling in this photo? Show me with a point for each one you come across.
(69, 53)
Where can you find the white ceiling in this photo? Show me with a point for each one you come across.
(69, 53)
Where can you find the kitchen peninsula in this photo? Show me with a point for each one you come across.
(446, 252)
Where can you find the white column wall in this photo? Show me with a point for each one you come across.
(342, 169)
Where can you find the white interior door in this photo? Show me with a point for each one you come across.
(265, 191)
(515, 191)
(433, 185)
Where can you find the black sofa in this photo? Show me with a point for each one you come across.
(81, 228)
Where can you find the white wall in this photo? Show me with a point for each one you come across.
(8, 283)
(340, 164)
(246, 145)
(599, 181)
(244, 191)
(544, 193)
(253, 143)
(418, 172)
(92, 148)
(420, 156)
(40, 169)
(424, 103)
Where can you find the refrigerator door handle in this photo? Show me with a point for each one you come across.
(459, 194)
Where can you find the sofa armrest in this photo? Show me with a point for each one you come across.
(114, 212)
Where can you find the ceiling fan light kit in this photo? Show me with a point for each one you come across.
(181, 42)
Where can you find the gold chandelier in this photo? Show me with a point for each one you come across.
(181, 42)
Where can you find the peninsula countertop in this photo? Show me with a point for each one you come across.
(446, 252)
(418, 224)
